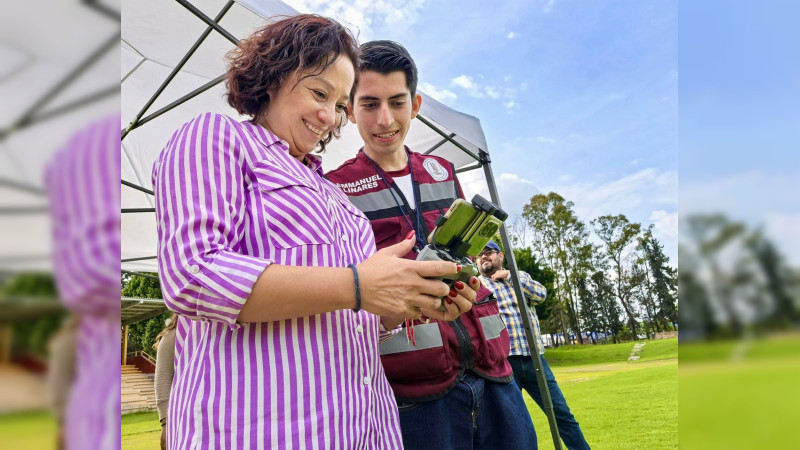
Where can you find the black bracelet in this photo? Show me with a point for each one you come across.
(358, 291)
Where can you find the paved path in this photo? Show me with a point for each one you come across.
(21, 390)
(637, 349)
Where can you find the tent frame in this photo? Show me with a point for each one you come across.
(482, 160)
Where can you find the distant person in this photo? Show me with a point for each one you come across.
(165, 371)
(448, 371)
(61, 372)
(498, 280)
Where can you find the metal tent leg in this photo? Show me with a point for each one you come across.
(530, 332)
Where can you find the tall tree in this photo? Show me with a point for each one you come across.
(546, 311)
(696, 314)
(617, 233)
(778, 283)
(590, 310)
(610, 311)
(559, 237)
(661, 280)
(709, 236)
(143, 333)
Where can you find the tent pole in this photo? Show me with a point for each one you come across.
(530, 331)
(177, 69)
(124, 345)
(102, 9)
(138, 210)
(143, 258)
(468, 168)
(438, 144)
(199, 14)
(448, 138)
(28, 116)
(138, 274)
(137, 187)
(177, 102)
(113, 90)
(29, 188)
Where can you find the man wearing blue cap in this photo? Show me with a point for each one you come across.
(498, 280)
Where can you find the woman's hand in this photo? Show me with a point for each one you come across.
(394, 286)
(458, 301)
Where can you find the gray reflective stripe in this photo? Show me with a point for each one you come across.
(492, 326)
(373, 201)
(437, 191)
(426, 335)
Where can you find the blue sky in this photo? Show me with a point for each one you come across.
(575, 97)
(740, 115)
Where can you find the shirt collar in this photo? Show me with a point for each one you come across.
(269, 139)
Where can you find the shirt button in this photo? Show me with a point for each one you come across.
(366, 380)
(194, 269)
(344, 237)
(359, 329)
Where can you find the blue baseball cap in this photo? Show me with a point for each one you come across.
(493, 245)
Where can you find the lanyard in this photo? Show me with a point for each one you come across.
(420, 241)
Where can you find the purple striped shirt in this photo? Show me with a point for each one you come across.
(84, 191)
(230, 200)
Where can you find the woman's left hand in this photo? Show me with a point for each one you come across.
(459, 301)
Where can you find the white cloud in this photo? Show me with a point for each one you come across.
(514, 191)
(443, 95)
(468, 84)
(633, 195)
(364, 17)
(645, 187)
(476, 89)
(546, 140)
(665, 225)
(512, 35)
(749, 196)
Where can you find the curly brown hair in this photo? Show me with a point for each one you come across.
(264, 61)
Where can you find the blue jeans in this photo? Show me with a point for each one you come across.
(475, 414)
(525, 376)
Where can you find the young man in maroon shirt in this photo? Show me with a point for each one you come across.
(451, 377)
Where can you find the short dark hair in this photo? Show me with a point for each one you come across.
(386, 57)
(267, 58)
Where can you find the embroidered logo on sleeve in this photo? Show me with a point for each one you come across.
(435, 169)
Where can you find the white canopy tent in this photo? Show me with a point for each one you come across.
(172, 68)
(155, 38)
(53, 81)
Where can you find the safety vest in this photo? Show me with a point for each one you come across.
(477, 340)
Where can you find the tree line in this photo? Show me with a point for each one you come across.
(607, 278)
(736, 282)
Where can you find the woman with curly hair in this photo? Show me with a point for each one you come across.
(272, 271)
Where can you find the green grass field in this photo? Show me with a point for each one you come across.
(620, 404)
(28, 430)
(747, 402)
